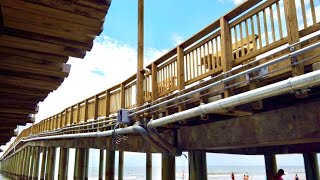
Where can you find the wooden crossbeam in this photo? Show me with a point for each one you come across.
(15, 91)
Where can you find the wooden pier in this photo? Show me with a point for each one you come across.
(191, 76)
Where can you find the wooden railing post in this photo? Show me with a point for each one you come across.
(154, 77)
(293, 37)
(140, 53)
(86, 110)
(121, 153)
(226, 51)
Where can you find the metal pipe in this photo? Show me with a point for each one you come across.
(132, 129)
(230, 78)
(282, 87)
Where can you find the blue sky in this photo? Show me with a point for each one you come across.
(166, 21)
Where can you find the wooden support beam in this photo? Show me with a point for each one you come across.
(81, 165)
(27, 163)
(32, 158)
(36, 164)
(168, 167)
(197, 165)
(63, 163)
(311, 166)
(101, 159)
(226, 51)
(293, 37)
(255, 130)
(140, 53)
(109, 171)
(50, 163)
(271, 165)
(120, 165)
(148, 166)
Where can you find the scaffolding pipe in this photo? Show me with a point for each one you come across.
(290, 85)
(230, 78)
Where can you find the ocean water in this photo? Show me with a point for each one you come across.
(214, 173)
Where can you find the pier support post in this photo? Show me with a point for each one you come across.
(120, 167)
(36, 163)
(101, 164)
(271, 165)
(148, 166)
(63, 163)
(197, 165)
(109, 173)
(43, 163)
(50, 163)
(32, 155)
(80, 163)
(311, 166)
(168, 167)
(27, 163)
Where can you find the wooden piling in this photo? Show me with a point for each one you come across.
(271, 165)
(197, 165)
(50, 163)
(168, 167)
(109, 172)
(36, 164)
(80, 164)
(101, 164)
(311, 166)
(148, 166)
(63, 163)
(32, 155)
(120, 165)
(43, 163)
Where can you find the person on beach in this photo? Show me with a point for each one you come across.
(278, 175)
(296, 177)
(245, 177)
(232, 176)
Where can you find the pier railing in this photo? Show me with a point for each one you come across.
(251, 29)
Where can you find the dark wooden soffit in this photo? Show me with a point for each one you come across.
(37, 37)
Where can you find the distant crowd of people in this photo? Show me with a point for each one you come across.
(277, 176)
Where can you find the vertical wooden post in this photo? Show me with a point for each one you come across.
(80, 163)
(20, 168)
(180, 78)
(271, 165)
(293, 37)
(63, 163)
(85, 110)
(50, 163)
(78, 113)
(107, 103)
(101, 164)
(197, 165)
(109, 172)
(86, 164)
(168, 167)
(32, 154)
(311, 166)
(140, 52)
(226, 50)
(27, 163)
(120, 167)
(149, 166)
(43, 163)
(36, 164)
(154, 77)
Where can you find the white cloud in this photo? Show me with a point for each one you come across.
(237, 2)
(109, 63)
(177, 39)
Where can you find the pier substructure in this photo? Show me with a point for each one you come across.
(148, 166)
(197, 165)
(311, 166)
(81, 164)
(50, 165)
(43, 163)
(109, 172)
(271, 165)
(168, 167)
(101, 158)
(120, 166)
(36, 163)
(63, 163)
